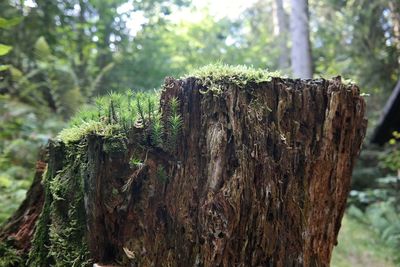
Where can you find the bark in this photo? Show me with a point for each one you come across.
(300, 33)
(259, 177)
(19, 229)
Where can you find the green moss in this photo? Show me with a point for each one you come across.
(112, 114)
(59, 239)
(214, 76)
(115, 144)
(76, 133)
(9, 256)
(38, 255)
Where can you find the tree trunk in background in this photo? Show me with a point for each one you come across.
(395, 17)
(260, 177)
(18, 230)
(301, 49)
(282, 31)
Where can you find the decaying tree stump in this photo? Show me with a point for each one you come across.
(258, 177)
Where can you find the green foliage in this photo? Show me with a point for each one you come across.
(377, 204)
(4, 49)
(384, 219)
(391, 159)
(9, 23)
(23, 131)
(359, 246)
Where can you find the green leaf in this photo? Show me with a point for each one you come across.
(8, 23)
(4, 49)
(4, 67)
(42, 49)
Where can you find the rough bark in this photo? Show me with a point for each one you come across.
(19, 229)
(300, 33)
(259, 177)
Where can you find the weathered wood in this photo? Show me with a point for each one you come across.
(19, 229)
(259, 177)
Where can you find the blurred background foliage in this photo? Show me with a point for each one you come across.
(55, 56)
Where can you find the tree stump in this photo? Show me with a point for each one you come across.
(259, 177)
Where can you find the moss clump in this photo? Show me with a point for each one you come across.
(115, 144)
(214, 76)
(77, 132)
(9, 256)
(112, 114)
(38, 255)
(59, 239)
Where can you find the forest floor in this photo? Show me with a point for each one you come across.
(359, 246)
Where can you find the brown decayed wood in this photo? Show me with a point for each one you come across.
(260, 177)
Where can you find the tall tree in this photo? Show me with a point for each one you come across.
(395, 18)
(281, 29)
(300, 33)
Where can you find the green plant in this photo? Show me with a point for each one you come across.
(113, 114)
(157, 132)
(9, 256)
(136, 162)
(392, 158)
(213, 76)
(174, 123)
(377, 206)
(59, 236)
